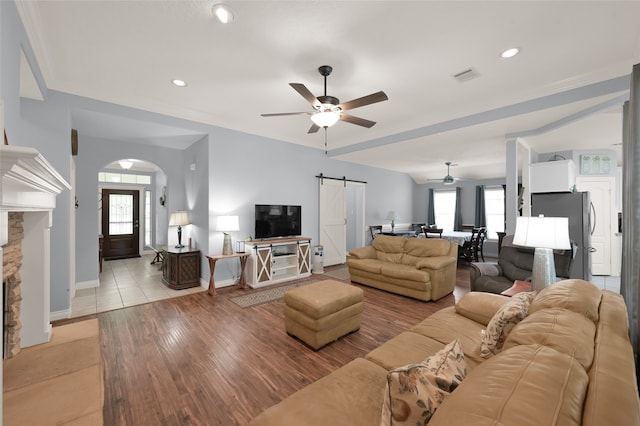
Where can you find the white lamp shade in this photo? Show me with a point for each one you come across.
(325, 118)
(179, 218)
(392, 215)
(542, 232)
(227, 223)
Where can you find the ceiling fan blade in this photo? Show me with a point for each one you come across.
(314, 128)
(365, 100)
(306, 93)
(284, 113)
(357, 120)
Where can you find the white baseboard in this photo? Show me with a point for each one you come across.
(87, 284)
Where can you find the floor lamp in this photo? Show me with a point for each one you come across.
(226, 224)
(545, 234)
(179, 219)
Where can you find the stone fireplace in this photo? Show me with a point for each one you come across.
(28, 189)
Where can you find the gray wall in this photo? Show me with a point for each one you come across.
(233, 170)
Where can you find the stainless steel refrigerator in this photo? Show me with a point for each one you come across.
(577, 207)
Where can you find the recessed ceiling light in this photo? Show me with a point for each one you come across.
(179, 83)
(510, 53)
(223, 12)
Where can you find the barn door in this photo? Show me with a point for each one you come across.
(333, 213)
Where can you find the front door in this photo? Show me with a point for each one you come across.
(120, 223)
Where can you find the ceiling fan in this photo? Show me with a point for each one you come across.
(448, 179)
(327, 110)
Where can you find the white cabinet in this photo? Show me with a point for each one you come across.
(276, 261)
(552, 176)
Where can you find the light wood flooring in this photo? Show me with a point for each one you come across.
(196, 360)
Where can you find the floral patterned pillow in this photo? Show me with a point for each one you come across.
(414, 392)
(507, 317)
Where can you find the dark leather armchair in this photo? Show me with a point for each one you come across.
(514, 263)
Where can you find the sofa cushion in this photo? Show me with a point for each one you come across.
(405, 348)
(557, 328)
(414, 392)
(388, 248)
(528, 385)
(368, 265)
(404, 272)
(346, 395)
(419, 248)
(446, 325)
(576, 295)
(480, 306)
(509, 314)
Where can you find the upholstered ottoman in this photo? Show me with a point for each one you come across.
(322, 312)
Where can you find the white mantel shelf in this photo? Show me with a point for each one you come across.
(29, 182)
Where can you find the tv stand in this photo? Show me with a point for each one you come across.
(278, 260)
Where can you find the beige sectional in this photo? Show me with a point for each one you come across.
(569, 362)
(421, 268)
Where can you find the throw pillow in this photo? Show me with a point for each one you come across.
(414, 392)
(517, 287)
(507, 317)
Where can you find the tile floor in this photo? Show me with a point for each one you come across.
(123, 283)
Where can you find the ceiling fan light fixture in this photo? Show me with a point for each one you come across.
(448, 180)
(325, 118)
(223, 12)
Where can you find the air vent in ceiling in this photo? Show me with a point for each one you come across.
(466, 75)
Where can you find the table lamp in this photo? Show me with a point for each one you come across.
(392, 217)
(179, 219)
(544, 234)
(226, 224)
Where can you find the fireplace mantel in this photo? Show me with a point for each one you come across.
(30, 184)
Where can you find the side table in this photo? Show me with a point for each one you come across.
(213, 258)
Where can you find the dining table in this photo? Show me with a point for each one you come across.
(458, 237)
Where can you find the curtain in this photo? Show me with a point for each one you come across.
(481, 210)
(431, 211)
(457, 218)
(630, 277)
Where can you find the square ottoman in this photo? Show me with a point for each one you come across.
(322, 312)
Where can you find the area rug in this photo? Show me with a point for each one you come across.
(265, 296)
(56, 383)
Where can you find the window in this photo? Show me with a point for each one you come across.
(444, 207)
(494, 208)
(124, 178)
(147, 218)
(120, 214)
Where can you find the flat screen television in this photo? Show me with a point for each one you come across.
(273, 221)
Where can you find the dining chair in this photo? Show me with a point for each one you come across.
(375, 230)
(467, 250)
(478, 244)
(417, 228)
(434, 231)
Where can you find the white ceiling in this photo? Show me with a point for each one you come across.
(127, 52)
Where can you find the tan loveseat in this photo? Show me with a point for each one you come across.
(569, 362)
(422, 268)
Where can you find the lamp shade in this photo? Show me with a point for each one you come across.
(392, 215)
(325, 118)
(227, 223)
(542, 232)
(179, 218)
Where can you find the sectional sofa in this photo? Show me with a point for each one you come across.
(568, 362)
(421, 268)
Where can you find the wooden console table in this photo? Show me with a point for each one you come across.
(213, 258)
